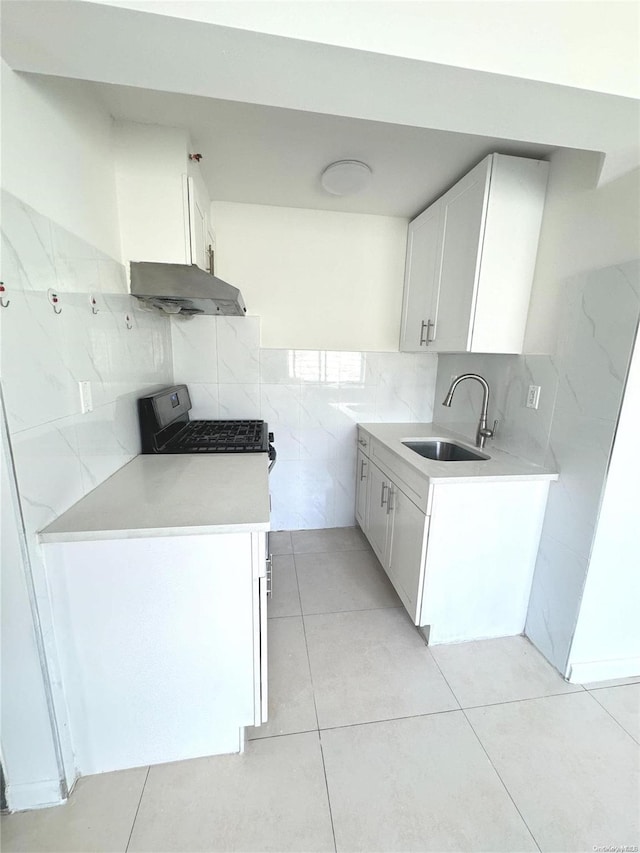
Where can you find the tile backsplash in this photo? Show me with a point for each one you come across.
(311, 399)
(61, 454)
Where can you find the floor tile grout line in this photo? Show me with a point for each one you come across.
(326, 784)
(328, 551)
(337, 612)
(502, 782)
(306, 647)
(315, 708)
(424, 714)
(633, 738)
(135, 817)
(535, 840)
(446, 680)
(355, 610)
(611, 686)
(523, 699)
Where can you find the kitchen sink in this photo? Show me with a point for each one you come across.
(444, 451)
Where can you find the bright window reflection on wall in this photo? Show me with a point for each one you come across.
(329, 367)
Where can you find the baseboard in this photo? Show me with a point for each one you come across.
(603, 670)
(34, 795)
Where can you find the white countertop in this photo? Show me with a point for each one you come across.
(499, 466)
(172, 495)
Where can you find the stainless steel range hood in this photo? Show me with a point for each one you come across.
(185, 290)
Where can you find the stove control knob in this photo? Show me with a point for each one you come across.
(270, 436)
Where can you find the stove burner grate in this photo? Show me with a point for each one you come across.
(221, 436)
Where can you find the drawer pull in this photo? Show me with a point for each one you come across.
(362, 474)
(382, 497)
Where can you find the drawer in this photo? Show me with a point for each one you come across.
(414, 484)
(364, 440)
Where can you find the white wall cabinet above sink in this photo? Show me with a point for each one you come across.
(163, 203)
(471, 258)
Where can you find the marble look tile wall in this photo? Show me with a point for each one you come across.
(596, 340)
(522, 431)
(61, 454)
(312, 400)
(572, 431)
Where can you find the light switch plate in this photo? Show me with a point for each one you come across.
(533, 396)
(86, 399)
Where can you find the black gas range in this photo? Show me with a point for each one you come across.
(165, 427)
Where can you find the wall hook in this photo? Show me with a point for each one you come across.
(54, 299)
(94, 304)
(127, 320)
(3, 303)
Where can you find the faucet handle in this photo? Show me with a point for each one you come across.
(485, 432)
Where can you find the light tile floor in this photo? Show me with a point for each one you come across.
(377, 743)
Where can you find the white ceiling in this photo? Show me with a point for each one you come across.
(590, 45)
(269, 155)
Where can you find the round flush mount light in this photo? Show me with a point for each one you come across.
(345, 177)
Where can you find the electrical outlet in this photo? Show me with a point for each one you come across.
(533, 396)
(86, 400)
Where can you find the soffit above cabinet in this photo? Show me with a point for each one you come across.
(256, 154)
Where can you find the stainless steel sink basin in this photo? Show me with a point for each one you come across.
(444, 451)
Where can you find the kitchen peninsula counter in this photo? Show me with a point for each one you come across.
(171, 495)
(158, 581)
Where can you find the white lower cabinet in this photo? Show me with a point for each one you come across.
(162, 645)
(409, 534)
(361, 489)
(463, 561)
(377, 526)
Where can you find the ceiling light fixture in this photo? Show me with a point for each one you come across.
(345, 177)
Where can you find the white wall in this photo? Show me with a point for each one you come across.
(57, 155)
(589, 45)
(606, 643)
(583, 228)
(318, 279)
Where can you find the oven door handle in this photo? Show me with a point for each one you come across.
(272, 456)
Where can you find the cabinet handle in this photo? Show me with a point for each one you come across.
(390, 506)
(428, 326)
(269, 576)
(362, 464)
(382, 498)
(210, 258)
(362, 442)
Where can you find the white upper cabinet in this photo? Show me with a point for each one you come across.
(163, 203)
(422, 279)
(471, 258)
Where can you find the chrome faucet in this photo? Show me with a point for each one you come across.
(482, 433)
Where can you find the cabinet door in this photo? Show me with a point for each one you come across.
(464, 210)
(421, 280)
(377, 515)
(210, 250)
(261, 570)
(198, 226)
(361, 490)
(407, 551)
